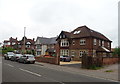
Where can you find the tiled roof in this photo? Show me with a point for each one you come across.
(84, 31)
(44, 40)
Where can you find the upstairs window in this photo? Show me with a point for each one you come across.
(73, 42)
(38, 46)
(99, 42)
(28, 43)
(82, 42)
(103, 43)
(95, 42)
(108, 44)
(64, 42)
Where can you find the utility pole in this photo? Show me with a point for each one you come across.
(24, 39)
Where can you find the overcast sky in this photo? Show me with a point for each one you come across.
(48, 18)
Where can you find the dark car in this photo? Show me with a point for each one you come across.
(16, 57)
(65, 58)
(27, 58)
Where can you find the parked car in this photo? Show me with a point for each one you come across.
(65, 58)
(16, 57)
(8, 55)
(27, 58)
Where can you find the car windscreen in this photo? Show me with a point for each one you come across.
(10, 53)
(19, 55)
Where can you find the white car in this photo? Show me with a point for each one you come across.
(16, 57)
(9, 55)
(27, 58)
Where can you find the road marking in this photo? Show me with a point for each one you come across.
(10, 65)
(30, 72)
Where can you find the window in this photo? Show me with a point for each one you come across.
(60, 36)
(64, 52)
(38, 46)
(76, 32)
(13, 43)
(38, 52)
(99, 42)
(102, 43)
(81, 53)
(95, 41)
(63, 36)
(73, 42)
(108, 44)
(72, 53)
(82, 42)
(64, 42)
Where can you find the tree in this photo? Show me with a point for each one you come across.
(7, 49)
(116, 51)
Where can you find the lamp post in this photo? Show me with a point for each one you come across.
(24, 39)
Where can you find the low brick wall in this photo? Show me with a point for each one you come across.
(110, 60)
(51, 60)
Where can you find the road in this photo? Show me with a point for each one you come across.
(18, 72)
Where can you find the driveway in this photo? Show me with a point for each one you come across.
(74, 64)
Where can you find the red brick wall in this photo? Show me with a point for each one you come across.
(51, 60)
(107, 61)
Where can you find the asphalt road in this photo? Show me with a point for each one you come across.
(18, 72)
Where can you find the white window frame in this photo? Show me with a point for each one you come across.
(103, 43)
(73, 42)
(108, 44)
(99, 42)
(95, 41)
(64, 52)
(82, 41)
(81, 53)
(64, 42)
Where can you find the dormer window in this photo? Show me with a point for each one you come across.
(76, 32)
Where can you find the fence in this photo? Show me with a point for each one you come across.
(88, 61)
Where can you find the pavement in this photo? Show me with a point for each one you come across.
(73, 68)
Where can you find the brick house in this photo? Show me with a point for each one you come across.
(45, 46)
(12, 42)
(29, 44)
(83, 40)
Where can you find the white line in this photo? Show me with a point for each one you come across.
(30, 72)
(10, 65)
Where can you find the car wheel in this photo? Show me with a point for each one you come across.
(64, 60)
(33, 62)
(19, 61)
(24, 62)
(5, 58)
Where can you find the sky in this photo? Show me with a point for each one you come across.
(48, 18)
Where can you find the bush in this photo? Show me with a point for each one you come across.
(93, 67)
